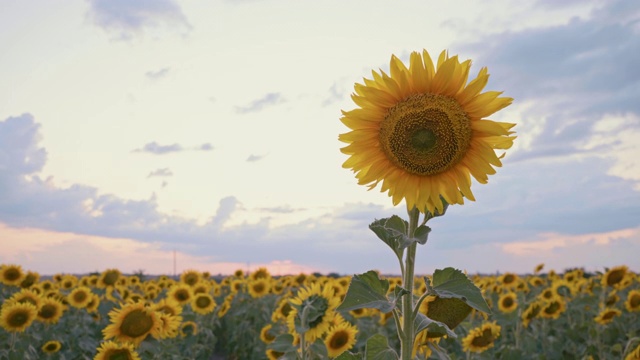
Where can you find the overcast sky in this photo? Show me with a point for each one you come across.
(130, 130)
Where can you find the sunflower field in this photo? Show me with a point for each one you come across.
(110, 315)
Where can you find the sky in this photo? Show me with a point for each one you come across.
(171, 135)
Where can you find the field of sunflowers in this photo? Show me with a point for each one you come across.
(110, 315)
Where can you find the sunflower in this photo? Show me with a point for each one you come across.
(261, 273)
(536, 281)
(508, 302)
(538, 268)
(481, 338)
(50, 311)
(26, 296)
(17, 317)
(553, 308)
(181, 293)
(112, 350)
(30, 279)
(634, 354)
(616, 276)
(266, 335)
(108, 278)
(340, 338)
(259, 287)
(273, 354)
(422, 132)
(11, 275)
(51, 347)
(531, 312)
(190, 277)
(132, 323)
(239, 273)
(94, 302)
(224, 308)
(203, 304)
(633, 301)
(607, 315)
(80, 297)
(322, 304)
(170, 325)
(168, 306)
(509, 280)
(188, 328)
(68, 282)
(282, 311)
(201, 287)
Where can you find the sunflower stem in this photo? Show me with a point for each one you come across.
(406, 341)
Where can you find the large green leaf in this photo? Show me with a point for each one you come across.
(422, 234)
(377, 348)
(452, 283)
(347, 355)
(367, 291)
(393, 231)
(283, 343)
(434, 328)
(442, 355)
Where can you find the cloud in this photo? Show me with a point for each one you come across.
(524, 201)
(254, 158)
(336, 93)
(259, 104)
(158, 74)
(157, 149)
(127, 19)
(568, 77)
(205, 147)
(165, 172)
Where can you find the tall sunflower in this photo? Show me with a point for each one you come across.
(132, 323)
(422, 131)
(17, 317)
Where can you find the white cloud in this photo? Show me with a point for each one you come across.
(129, 18)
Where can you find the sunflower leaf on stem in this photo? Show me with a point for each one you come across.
(367, 291)
(434, 327)
(348, 355)
(453, 283)
(393, 232)
(377, 348)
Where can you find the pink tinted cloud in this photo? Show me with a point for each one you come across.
(51, 252)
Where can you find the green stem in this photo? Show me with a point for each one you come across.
(303, 321)
(406, 341)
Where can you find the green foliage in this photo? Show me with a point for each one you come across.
(367, 291)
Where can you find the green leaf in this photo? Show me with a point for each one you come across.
(422, 234)
(377, 348)
(434, 328)
(452, 283)
(442, 355)
(348, 355)
(367, 291)
(283, 343)
(393, 231)
(398, 293)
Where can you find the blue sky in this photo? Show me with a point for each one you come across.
(130, 130)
